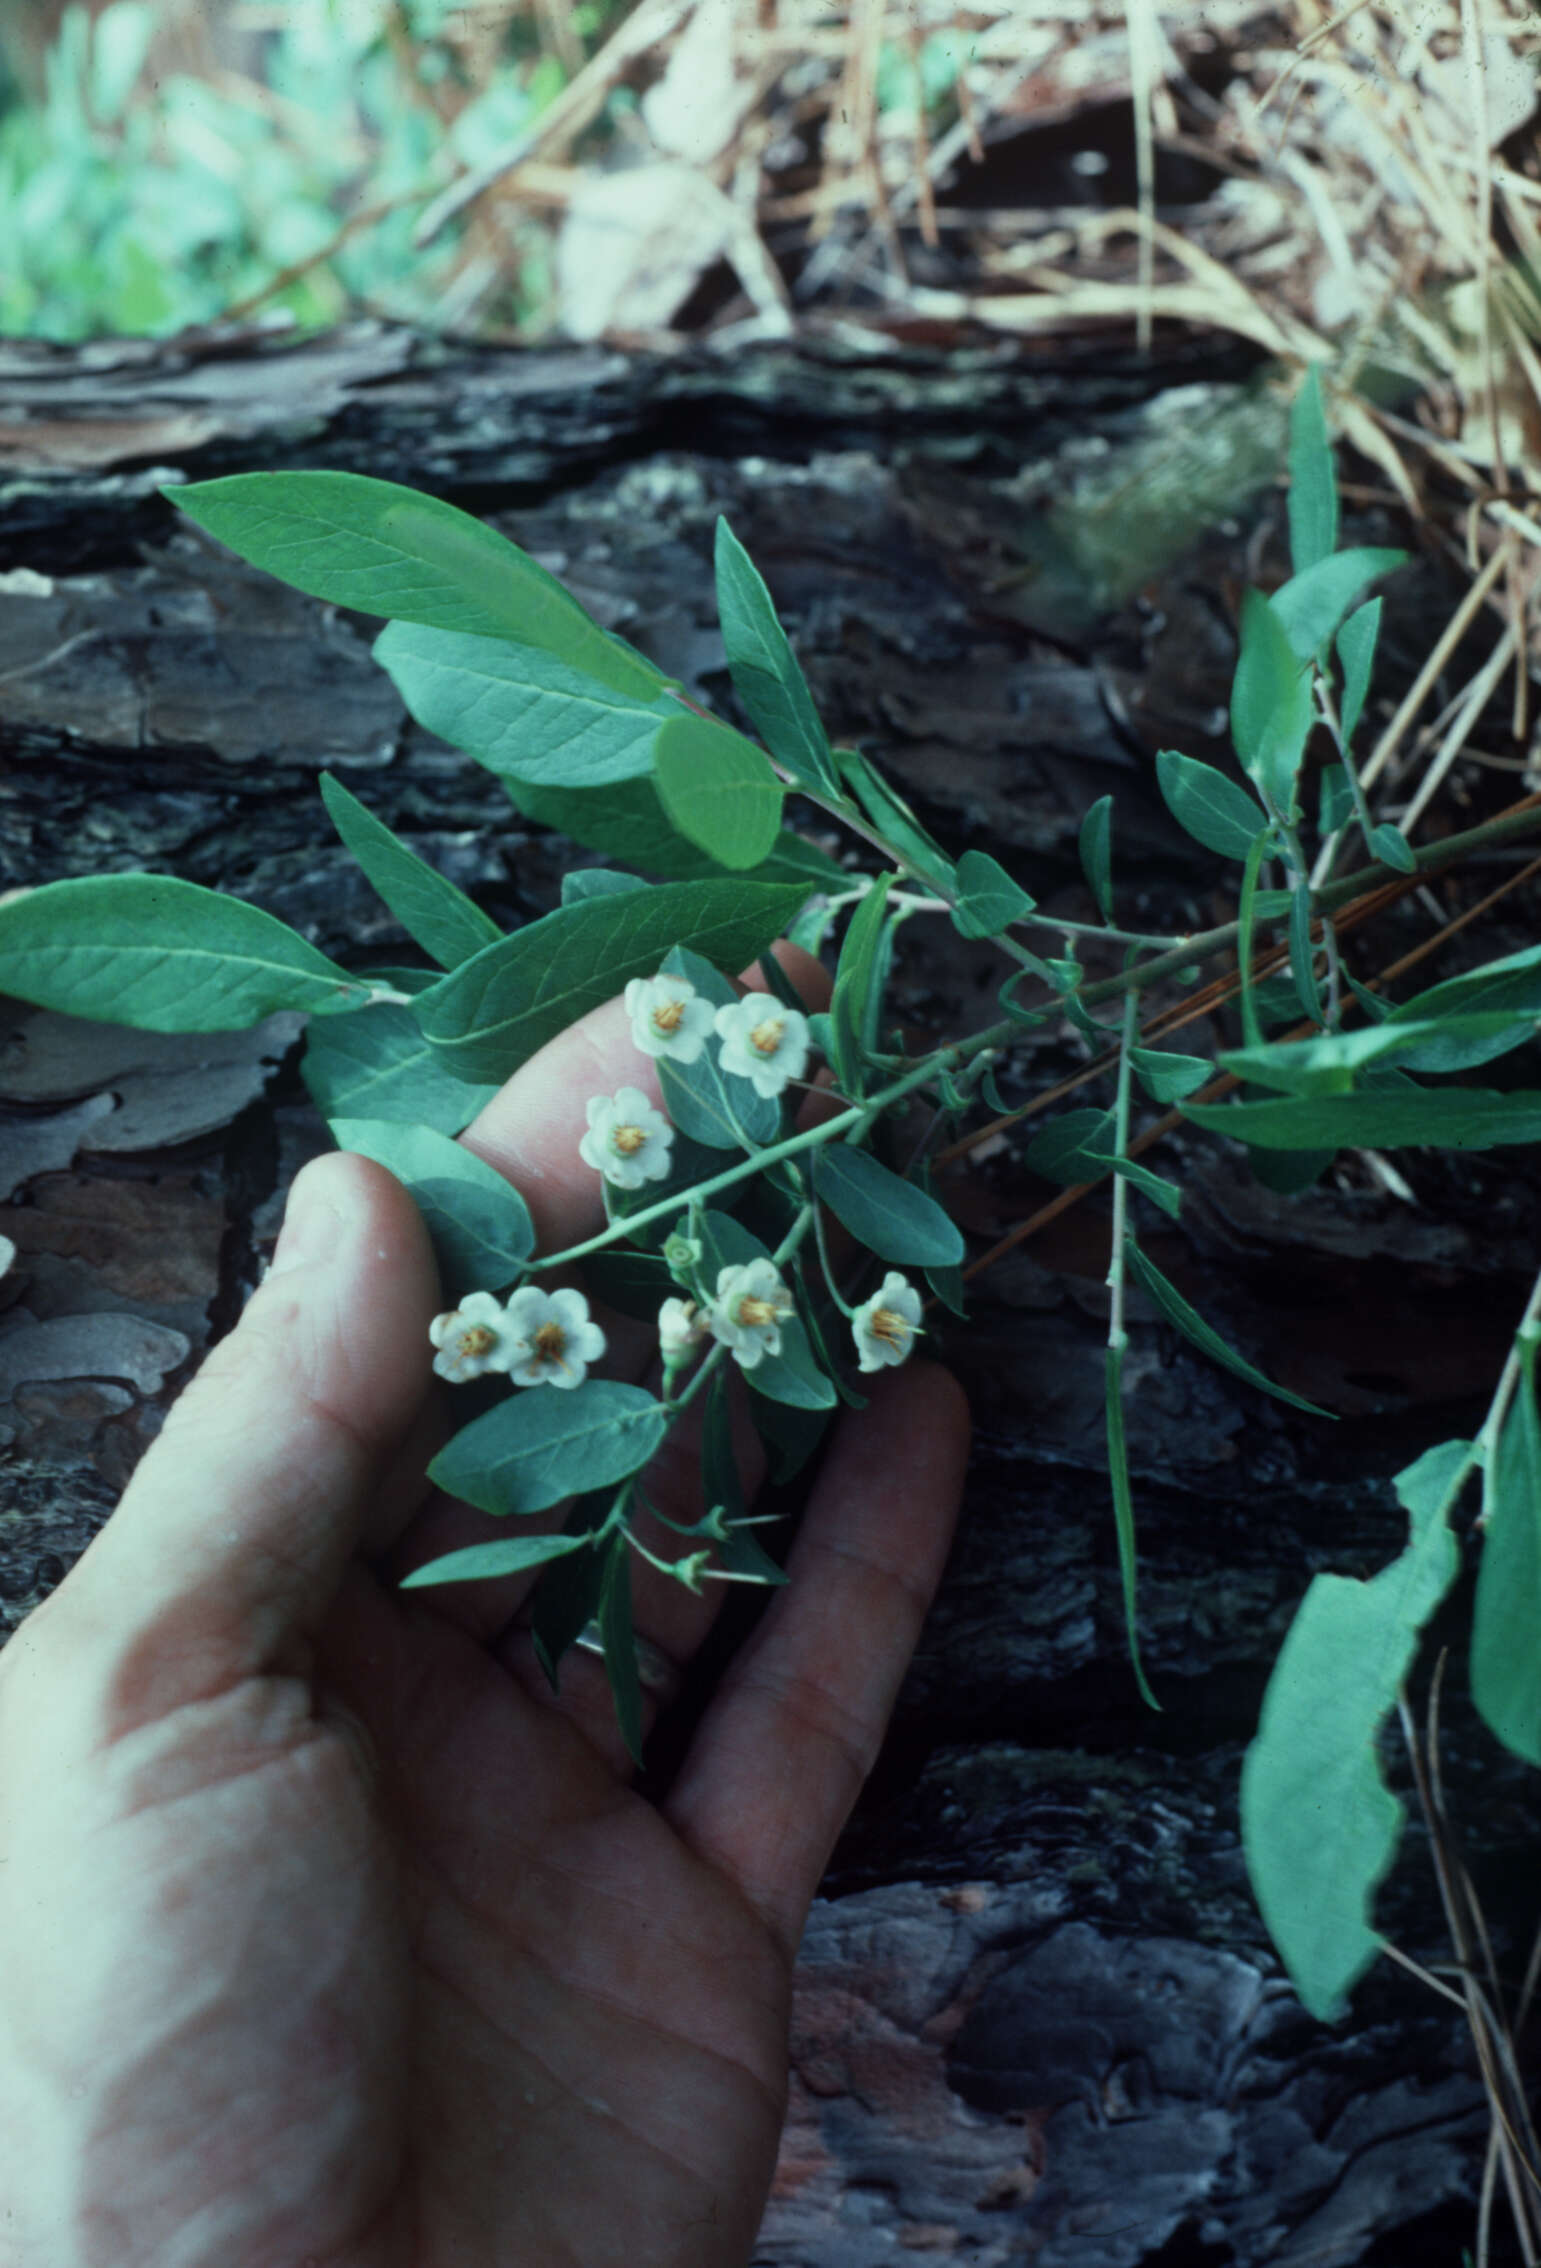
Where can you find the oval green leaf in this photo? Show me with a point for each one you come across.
(546, 1443)
(718, 788)
(890, 1216)
(480, 1225)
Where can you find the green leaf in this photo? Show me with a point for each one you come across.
(855, 974)
(480, 1225)
(1272, 710)
(1506, 1625)
(493, 1013)
(1167, 1077)
(626, 820)
(633, 1283)
(1313, 498)
(548, 1442)
(1162, 1193)
(523, 711)
(1325, 1063)
(890, 1216)
(162, 955)
(725, 1114)
(1208, 806)
(1077, 1147)
(894, 820)
(1310, 606)
(718, 789)
(765, 671)
(1391, 847)
(948, 1285)
(1193, 1326)
(1469, 1118)
(1334, 801)
(988, 899)
(443, 920)
(483, 1562)
(377, 1064)
(1096, 846)
(1356, 651)
(1319, 1825)
(1303, 957)
(1123, 1511)
(1289, 1171)
(597, 882)
(615, 1628)
(567, 1595)
(388, 550)
(1513, 984)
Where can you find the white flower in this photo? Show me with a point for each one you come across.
(668, 1017)
(885, 1325)
(473, 1337)
(747, 1313)
(627, 1141)
(556, 1342)
(763, 1042)
(680, 1331)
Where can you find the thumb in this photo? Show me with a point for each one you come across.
(230, 1541)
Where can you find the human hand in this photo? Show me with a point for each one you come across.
(333, 1938)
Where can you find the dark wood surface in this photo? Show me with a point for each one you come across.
(1038, 2017)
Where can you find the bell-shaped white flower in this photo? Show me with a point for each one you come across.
(556, 1340)
(747, 1314)
(885, 1325)
(680, 1331)
(668, 1017)
(474, 1337)
(763, 1042)
(628, 1140)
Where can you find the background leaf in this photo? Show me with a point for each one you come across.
(389, 550)
(545, 1443)
(480, 1225)
(615, 1628)
(162, 955)
(1356, 651)
(718, 789)
(442, 919)
(1465, 1118)
(1313, 497)
(1168, 1077)
(1096, 847)
(1391, 847)
(1077, 1147)
(1506, 1622)
(505, 1555)
(1272, 710)
(1193, 1326)
(1310, 606)
(377, 1064)
(626, 820)
(1319, 1825)
(988, 899)
(856, 972)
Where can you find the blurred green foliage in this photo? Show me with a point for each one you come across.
(137, 203)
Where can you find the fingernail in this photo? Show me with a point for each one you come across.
(312, 1227)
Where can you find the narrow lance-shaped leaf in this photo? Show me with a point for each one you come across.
(766, 675)
(1319, 1825)
(718, 788)
(480, 1225)
(889, 1215)
(523, 711)
(483, 1562)
(855, 975)
(1313, 497)
(1271, 705)
(444, 921)
(493, 1012)
(1193, 1326)
(988, 899)
(1467, 1118)
(1506, 1623)
(620, 1644)
(163, 955)
(1208, 806)
(388, 550)
(1310, 606)
(1356, 651)
(548, 1442)
(1096, 846)
(1123, 1514)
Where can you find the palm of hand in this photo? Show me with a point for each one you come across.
(335, 1941)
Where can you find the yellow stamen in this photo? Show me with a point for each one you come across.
(754, 1314)
(766, 1037)
(478, 1340)
(551, 1344)
(627, 1139)
(885, 1324)
(666, 1017)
